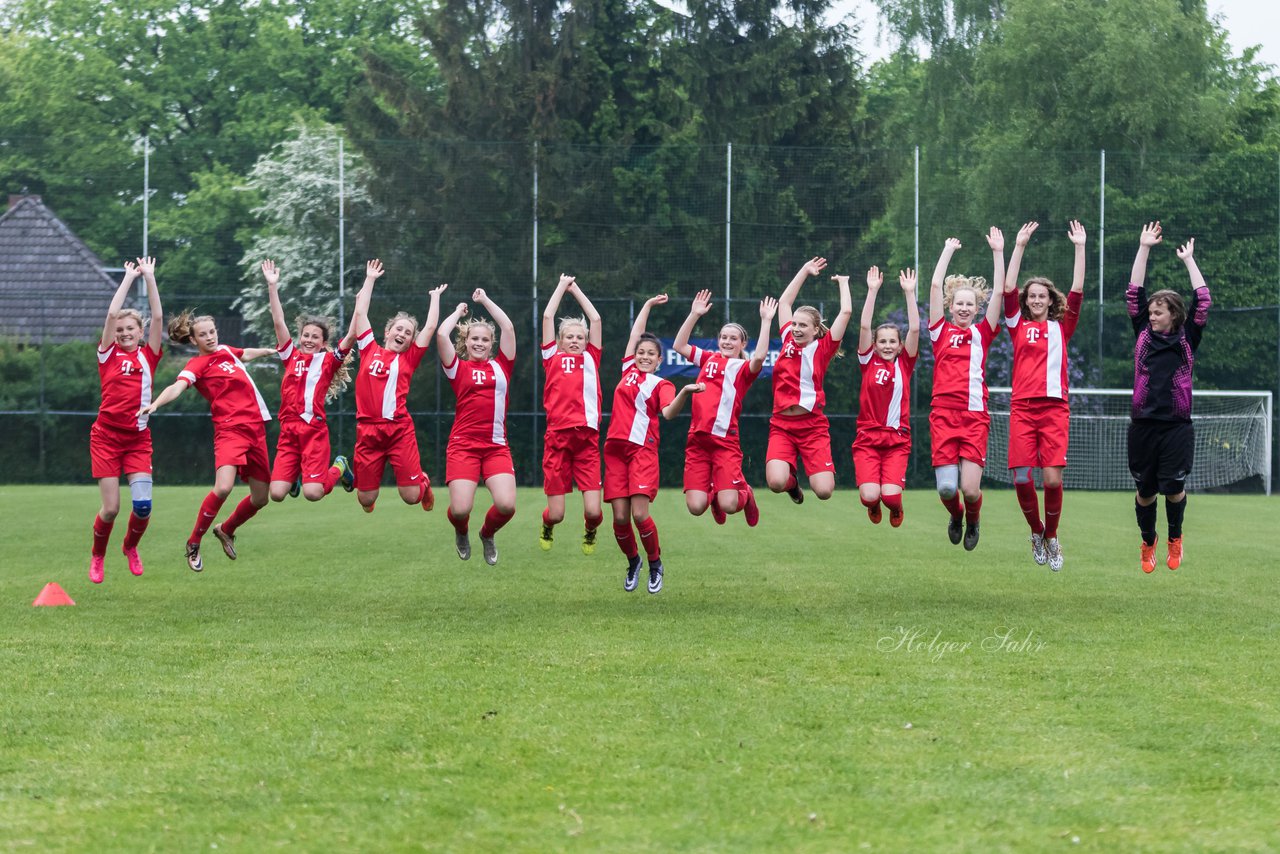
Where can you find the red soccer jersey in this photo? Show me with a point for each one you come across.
(1040, 349)
(960, 364)
(799, 371)
(480, 415)
(383, 382)
(885, 396)
(224, 381)
(638, 402)
(571, 392)
(306, 380)
(125, 376)
(716, 410)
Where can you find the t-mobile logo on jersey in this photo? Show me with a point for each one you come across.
(789, 350)
(299, 368)
(632, 379)
(711, 370)
(478, 377)
(377, 368)
(228, 367)
(958, 339)
(568, 364)
(126, 368)
(1033, 334)
(882, 376)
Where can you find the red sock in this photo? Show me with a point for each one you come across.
(973, 509)
(626, 539)
(593, 522)
(461, 524)
(649, 537)
(744, 495)
(893, 502)
(243, 513)
(204, 518)
(1052, 509)
(331, 478)
(792, 483)
(875, 502)
(137, 527)
(101, 534)
(953, 505)
(546, 518)
(494, 520)
(1030, 505)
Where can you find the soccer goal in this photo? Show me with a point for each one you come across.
(1233, 438)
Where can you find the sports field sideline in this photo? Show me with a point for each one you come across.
(815, 684)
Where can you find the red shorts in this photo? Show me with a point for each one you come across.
(245, 447)
(958, 434)
(881, 456)
(113, 451)
(571, 457)
(712, 462)
(477, 464)
(1038, 431)
(807, 436)
(629, 469)
(302, 449)
(380, 442)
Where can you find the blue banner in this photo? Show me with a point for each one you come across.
(675, 365)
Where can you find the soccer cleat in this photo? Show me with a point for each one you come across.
(895, 517)
(873, 513)
(96, 568)
(633, 574)
(1038, 552)
(368, 508)
(750, 511)
(193, 557)
(346, 476)
(796, 493)
(717, 512)
(971, 537)
(655, 576)
(547, 538)
(428, 498)
(1054, 550)
(1148, 553)
(296, 489)
(1174, 560)
(589, 541)
(490, 550)
(954, 532)
(462, 543)
(228, 541)
(135, 562)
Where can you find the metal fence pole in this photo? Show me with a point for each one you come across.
(916, 254)
(533, 310)
(1102, 246)
(146, 201)
(728, 222)
(342, 262)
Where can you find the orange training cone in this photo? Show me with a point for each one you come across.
(53, 594)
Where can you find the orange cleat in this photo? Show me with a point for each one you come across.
(1149, 557)
(873, 513)
(895, 517)
(749, 511)
(1174, 560)
(428, 498)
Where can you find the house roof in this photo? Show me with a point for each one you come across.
(53, 288)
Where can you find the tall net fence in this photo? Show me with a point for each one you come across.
(628, 223)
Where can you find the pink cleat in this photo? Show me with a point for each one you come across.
(135, 562)
(95, 568)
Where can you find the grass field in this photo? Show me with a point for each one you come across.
(815, 684)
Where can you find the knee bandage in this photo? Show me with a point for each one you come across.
(1022, 474)
(140, 493)
(948, 480)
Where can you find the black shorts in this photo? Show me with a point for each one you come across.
(1160, 455)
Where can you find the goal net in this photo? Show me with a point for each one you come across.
(1233, 438)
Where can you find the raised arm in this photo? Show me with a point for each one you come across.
(936, 306)
(131, 273)
(1186, 253)
(433, 318)
(995, 239)
(841, 323)
(272, 275)
(642, 323)
(768, 308)
(360, 315)
(701, 305)
(595, 335)
(1015, 259)
(812, 267)
(874, 280)
(444, 334)
(553, 305)
(155, 333)
(672, 409)
(1075, 233)
(1151, 236)
(506, 330)
(907, 278)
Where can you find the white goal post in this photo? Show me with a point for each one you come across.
(1233, 438)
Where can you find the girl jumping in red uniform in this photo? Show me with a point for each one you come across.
(1041, 322)
(480, 374)
(384, 428)
(312, 375)
(120, 440)
(240, 417)
(883, 443)
(571, 396)
(713, 452)
(631, 446)
(798, 426)
(959, 421)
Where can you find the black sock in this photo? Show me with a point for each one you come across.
(1174, 511)
(1146, 521)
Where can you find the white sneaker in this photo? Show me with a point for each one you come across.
(655, 576)
(1055, 553)
(490, 550)
(1038, 550)
(633, 574)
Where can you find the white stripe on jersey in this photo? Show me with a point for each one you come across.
(976, 374)
(499, 404)
(1053, 359)
(262, 404)
(640, 426)
(314, 370)
(808, 391)
(389, 390)
(451, 369)
(1011, 320)
(285, 351)
(590, 388)
(728, 396)
(893, 417)
(146, 389)
(103, 355)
